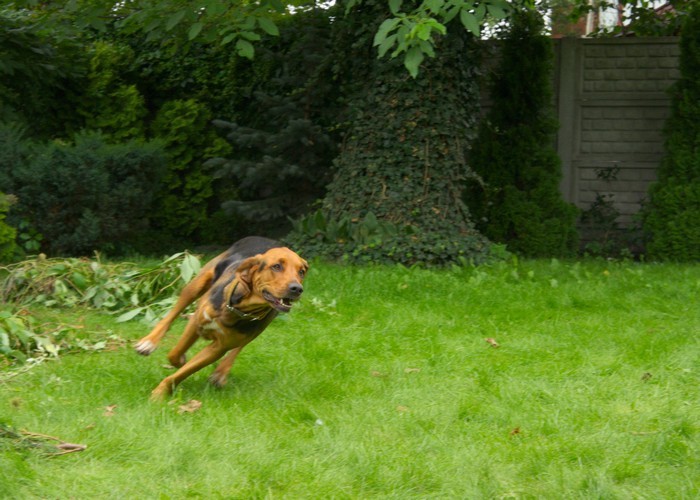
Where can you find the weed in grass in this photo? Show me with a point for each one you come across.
(382, 385)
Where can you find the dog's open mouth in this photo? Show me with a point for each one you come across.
(282, 305)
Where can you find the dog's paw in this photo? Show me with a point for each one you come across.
(145, 347)
(163, 390)
(177, 362)
(218, 380)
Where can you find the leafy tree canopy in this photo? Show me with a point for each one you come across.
(412, 32)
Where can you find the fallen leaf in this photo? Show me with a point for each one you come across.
(492, 342)
(375, 373)
(190, 407)
(70, 447)
(412, 370)
(646, 376)
(402, 409)
(515, 431)
(109, 411)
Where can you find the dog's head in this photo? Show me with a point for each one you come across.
(272, 278)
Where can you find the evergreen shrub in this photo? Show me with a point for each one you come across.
(518, 201)
(111, 104)
(86, 196)
(7, 232)
(671, 217)
(189, 139)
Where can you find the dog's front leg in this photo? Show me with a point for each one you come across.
(189, 294)
(206, 356)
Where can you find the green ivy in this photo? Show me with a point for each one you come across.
(403, 158)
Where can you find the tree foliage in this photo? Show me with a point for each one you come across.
(672, 214)
(284, 146)
(518, 202)
(637, 17)
(41, 74)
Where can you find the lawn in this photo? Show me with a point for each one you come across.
(531, 379)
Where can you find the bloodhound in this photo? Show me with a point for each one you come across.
(242, 291)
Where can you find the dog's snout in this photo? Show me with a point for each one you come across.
(296, 289)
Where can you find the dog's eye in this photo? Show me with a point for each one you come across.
(276, 267)
(302, 273)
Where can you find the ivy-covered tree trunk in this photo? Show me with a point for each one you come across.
(397, 191)
(672, 217)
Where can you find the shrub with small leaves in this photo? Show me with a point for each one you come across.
(86, 196)
(7, 233)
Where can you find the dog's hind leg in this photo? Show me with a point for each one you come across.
(189, 294)
(218, 377)
(176, 356)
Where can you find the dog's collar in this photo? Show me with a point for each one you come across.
(248, 316)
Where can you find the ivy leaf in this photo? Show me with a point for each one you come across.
(414, 57)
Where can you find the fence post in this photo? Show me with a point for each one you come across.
(567, 76)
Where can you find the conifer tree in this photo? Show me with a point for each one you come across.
(519, 202)
(671, 218)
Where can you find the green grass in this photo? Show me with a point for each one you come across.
(380, 384)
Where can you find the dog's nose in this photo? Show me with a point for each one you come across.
(296, 289)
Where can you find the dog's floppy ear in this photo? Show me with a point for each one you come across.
(241, 285)
(247, 268)
(238, 291)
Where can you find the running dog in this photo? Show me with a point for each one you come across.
(241, 291)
